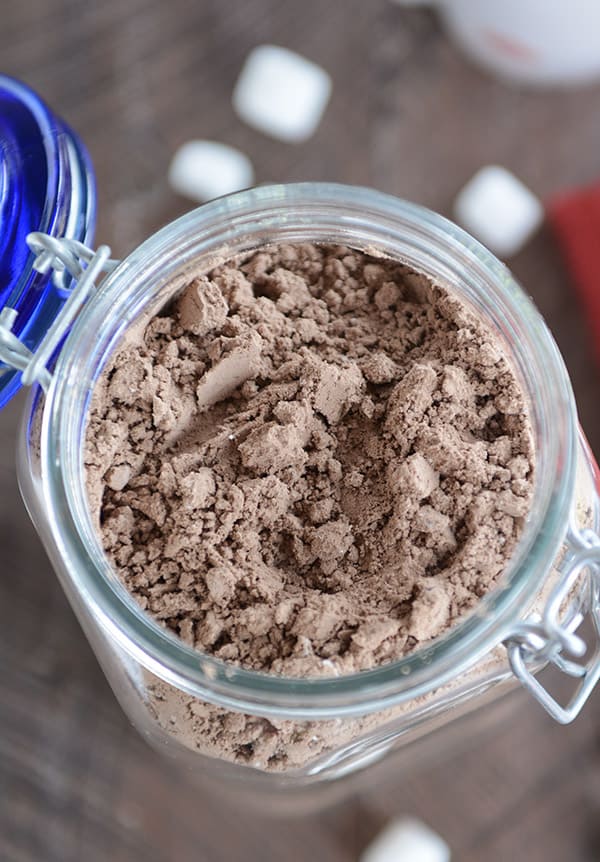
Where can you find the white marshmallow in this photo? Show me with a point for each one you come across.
(203, 170)
(281, 93)
(499, 210)
(407, 840)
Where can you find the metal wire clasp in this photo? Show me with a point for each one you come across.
(548, 639)
(84, 265)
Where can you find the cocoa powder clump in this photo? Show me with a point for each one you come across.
(312, 462)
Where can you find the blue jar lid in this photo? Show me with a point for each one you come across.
(46, 184)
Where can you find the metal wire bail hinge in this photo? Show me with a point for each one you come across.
(548, 639)
(84, 265)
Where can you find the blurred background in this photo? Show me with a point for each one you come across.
(408, 115)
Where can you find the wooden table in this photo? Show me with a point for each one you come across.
(409, 115)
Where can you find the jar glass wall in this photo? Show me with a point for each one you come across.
(254, 726)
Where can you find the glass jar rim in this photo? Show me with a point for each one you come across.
(365, 219)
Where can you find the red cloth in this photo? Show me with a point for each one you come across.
(575, 217)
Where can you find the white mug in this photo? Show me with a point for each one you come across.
(530, 41)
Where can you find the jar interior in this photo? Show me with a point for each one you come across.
(377, 225)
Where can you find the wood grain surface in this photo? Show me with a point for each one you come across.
(409, 115)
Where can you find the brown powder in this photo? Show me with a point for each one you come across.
(311, 463)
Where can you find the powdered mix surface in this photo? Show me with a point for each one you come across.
(311, 462)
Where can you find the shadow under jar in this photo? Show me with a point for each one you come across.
(215, 718)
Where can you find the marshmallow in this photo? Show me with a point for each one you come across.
(281, 93)
(203, 170)
(499, 210)
(407, 840)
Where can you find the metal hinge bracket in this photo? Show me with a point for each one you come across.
(61, 255)
(539, 640)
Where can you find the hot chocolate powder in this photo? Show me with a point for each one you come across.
(313, 461)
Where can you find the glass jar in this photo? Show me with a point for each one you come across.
(264, 730)
(283, 732)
